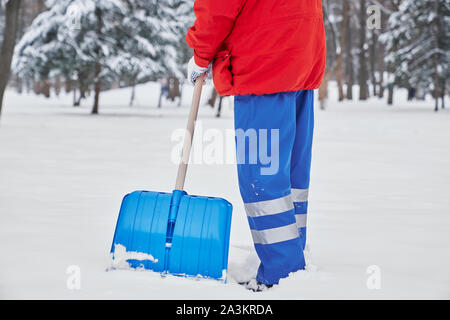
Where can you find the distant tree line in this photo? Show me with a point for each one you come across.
(84, 46)
(383, 44)
(94, 45)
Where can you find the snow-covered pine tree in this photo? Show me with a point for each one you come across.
(418, 42)
(149, 46)
(184, 52)
(98, 41)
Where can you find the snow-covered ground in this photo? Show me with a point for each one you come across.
(379, 197)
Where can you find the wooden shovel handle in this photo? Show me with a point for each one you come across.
(182, 168)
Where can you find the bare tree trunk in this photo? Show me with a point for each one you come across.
(174, 88)
(391, 94)
(8, 44)
(435, 59)
(36, 87)
(40, 6)
(181, 95)
(381, 67)
(133, 90)
(21, 22)
(436, 83)
(45, 86)
(219, 109)
(381, 63)
(373, 54)
(133, 93)
(363, 74)
(19, 85)
(98, 67)
(323, 90)
(212, 99)
(444, 83)
(339, 71)
(331, 34)
(57, 86)
(27, 85)
(68, 85)
(75, 97)
(349, 73)
(81, 96)
(82, 88)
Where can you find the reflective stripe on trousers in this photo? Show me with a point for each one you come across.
(277, 206)
(269, 208)
(300, 196)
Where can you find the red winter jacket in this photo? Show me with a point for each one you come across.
(260, 46)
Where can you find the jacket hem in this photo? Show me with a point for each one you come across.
(265, 92)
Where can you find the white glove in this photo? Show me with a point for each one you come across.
(194, 71)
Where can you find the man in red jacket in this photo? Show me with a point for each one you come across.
(270, 55)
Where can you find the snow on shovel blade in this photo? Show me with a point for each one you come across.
(173, 233)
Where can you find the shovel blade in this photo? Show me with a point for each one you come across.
(199, 243)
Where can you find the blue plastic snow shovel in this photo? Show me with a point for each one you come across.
(175, 232)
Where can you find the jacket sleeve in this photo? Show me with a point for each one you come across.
(214, 22)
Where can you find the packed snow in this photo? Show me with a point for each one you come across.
(121, 257)
(379, 218)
